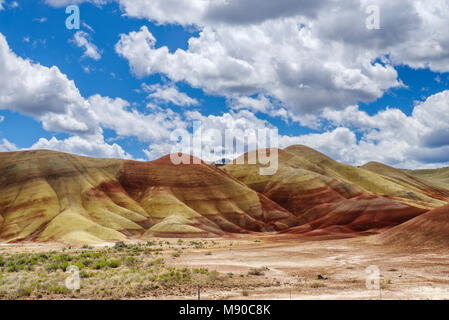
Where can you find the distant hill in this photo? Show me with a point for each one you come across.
(437, 176)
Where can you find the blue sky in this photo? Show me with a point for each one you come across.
(353, 99)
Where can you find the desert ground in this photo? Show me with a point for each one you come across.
(242, 267)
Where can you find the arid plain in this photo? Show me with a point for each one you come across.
(242, 268)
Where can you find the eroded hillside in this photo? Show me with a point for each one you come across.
(54, 196)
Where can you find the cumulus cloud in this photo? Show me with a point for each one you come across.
(276, 58)
(403, 22)
(308, 55)
(43, 93)
(88, 146)
(391, 136)
(82, 40)
(243, 126)
(185, 12)
(6, 146)
(212, 130)
(115, 114)
(263, 104)
(201, 12)
(412, 32)
(49, 96)
(168, 93)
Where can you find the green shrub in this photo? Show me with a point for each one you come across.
(100, 264)
(158, 261)
(13, 268)
(2, 261)
(114, 264)
(24, 292)
(59, 290)
(85, 274)
(120, 246)
(201, 271)
(130, 261)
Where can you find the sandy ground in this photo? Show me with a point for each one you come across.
(405, 273)
(294, 265)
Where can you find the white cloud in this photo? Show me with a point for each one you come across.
(238, 124)
(50, 97)
(412, 32)
(168, 93)
(262, 104)
(41, 20)
(115, 114)
(44, 93)
(201, 12)
(2, 118)
(392, 137)
(277, 58)
(6, 146)
(63, 3)
(416, 26)
(420, 140)
(88, 27)
(82, 40)
(88, 146)
(183, 12)
(308, 55)
(1, 4)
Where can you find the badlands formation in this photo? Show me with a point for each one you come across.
(52, 196)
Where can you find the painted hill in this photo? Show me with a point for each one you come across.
(329, 197)
(53, 196)
(413, 183)
(439, 177)
(356, 180)
(431, 228)
(46, 195)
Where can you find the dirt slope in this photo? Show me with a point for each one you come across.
(437, 176)
(331, 198)
(431, 228)
(410, 181)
